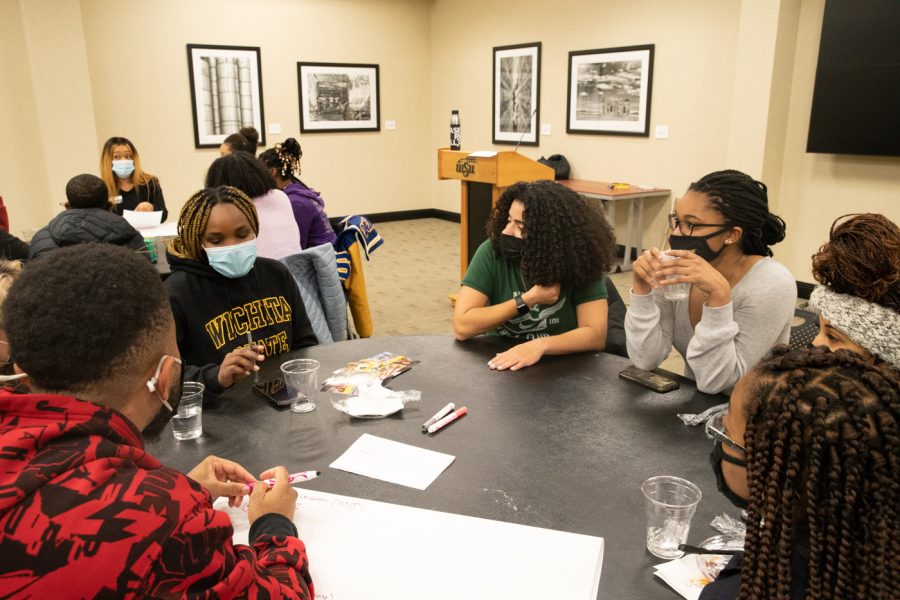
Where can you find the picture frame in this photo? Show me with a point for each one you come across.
(338, 97)
(226, 92)
(516, 94)
(610, 91)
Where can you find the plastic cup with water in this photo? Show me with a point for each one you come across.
(673, 291)
(301, 376)
(187, 422)
(670, 503)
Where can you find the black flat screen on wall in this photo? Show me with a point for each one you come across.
(856, 99)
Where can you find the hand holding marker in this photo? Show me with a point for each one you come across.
(298, 477)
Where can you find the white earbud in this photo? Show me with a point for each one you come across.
(151, 384)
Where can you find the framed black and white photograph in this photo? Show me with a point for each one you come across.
(517, 90)
(338, 97)
(226, 92)
(609, 91)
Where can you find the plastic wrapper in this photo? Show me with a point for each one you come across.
(371, 400)
(729, 527)
(381, 368)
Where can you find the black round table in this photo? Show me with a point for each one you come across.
(564, 444)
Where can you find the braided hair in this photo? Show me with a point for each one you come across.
(862, 259)
(194, 218)
(823, 450)
(744, 202)
(567, 239)
(284, 158)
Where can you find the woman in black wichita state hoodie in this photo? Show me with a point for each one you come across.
(220, 290)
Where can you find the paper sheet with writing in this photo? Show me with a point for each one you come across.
(367, 550)
(387, 460)
(142, 219)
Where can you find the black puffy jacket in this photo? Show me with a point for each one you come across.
(84, 225)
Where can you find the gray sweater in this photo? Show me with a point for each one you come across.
(728, 341)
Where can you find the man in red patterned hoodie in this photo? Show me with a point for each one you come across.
(84, 510)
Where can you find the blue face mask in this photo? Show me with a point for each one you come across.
(232, 261)
(123, 168)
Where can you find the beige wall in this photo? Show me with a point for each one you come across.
(732, 80)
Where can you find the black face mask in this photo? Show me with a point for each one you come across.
(510, 246)
(715, 458)
(698, 244)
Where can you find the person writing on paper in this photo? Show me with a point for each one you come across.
(810, 446)
(220, 291)
(858, 296)
(86, 219)
(539, 276)
(120, 169)
(85, 511)
(740, 301)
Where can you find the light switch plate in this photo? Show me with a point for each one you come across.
(545, 129)
(391, 124)
(662, 132)
(274, 128)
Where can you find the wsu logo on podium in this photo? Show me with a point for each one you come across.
(466, 166)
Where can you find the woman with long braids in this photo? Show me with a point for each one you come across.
(222, 294)
(858, 298)
(810, 445)
(741, 301)
(283, 162)
(539, 276)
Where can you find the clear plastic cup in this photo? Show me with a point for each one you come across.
(302, 379)
(187, 422)
(674, 291)
(670, 503)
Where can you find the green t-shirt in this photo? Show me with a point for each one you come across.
(500, 279)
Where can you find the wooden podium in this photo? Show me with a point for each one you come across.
(483, 179)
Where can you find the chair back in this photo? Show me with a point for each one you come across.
(804, 328)
(315, 271)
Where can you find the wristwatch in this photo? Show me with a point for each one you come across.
(521, 307)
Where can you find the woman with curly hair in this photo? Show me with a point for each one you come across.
(858, 298)
(741, 301)
(283, 162)
(810, 446)
(539, 276)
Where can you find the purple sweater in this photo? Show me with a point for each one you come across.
(309, 212)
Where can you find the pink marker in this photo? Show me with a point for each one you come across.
(448, 419)
(293, 477)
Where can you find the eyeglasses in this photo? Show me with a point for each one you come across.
(715, 430)
(676, 223)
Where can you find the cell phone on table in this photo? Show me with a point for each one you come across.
(275, 391)
(648, 379)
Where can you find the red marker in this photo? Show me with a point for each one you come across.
(293, 477)
(448, 419)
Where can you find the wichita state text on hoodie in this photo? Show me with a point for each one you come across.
(214, 313)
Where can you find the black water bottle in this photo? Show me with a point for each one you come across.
(454, 130)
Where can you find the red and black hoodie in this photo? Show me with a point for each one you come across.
(86, 512)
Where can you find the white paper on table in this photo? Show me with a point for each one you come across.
(378, 551)
(142, 219)
(164, 230)
(683, 575)
(387, 460)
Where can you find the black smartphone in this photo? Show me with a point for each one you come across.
(275, 391)
(654, 381)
